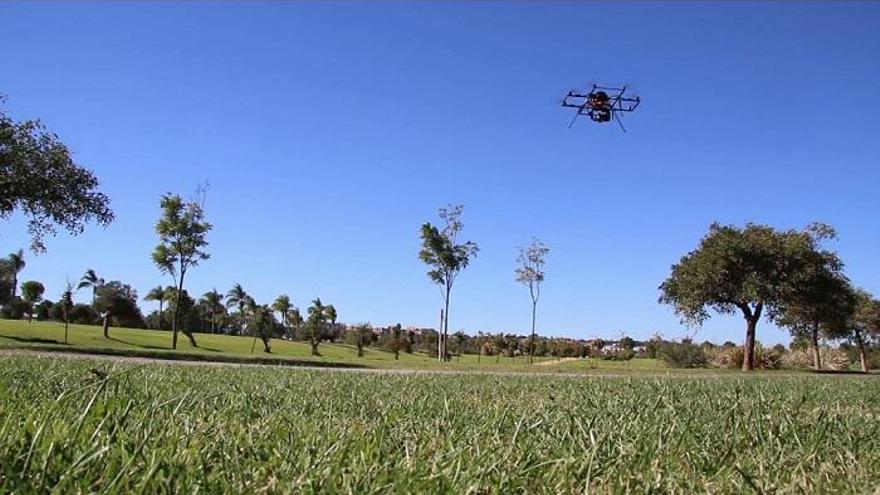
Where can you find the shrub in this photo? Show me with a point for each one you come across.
(732, 357)
(684, 354)
(832, 359)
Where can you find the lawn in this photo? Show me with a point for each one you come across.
(74, 426)
(154, 343)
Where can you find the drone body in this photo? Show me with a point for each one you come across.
(601, 104)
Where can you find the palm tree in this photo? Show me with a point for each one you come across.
(158, 294)
(282, 305)
(16, 263)
(238, 297)
(91, 280)
(294, 319)
(317, 317)
(330, 314)
(214, 301)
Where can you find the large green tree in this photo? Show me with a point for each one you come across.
(530, 273)
(751, 270)
(446, 258)
(183, 239)
(39, 178)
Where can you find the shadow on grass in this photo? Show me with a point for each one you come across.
(169, 355)
(33, 340)
(840, 372)
(142, 346)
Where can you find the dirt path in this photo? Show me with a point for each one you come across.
(557, 361)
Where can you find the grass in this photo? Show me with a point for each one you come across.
(74, 426)
(224, 348)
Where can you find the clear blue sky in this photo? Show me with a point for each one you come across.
(330, 132)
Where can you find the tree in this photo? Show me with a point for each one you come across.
(67, 305)
(117, 302)
(282, 305)
(183, 233)
(530, 273)
(315, 324)
(39, 178)
(262, 322)
(159, 294)
(396, 335)
(362, 332)
(446, 259)
(330, 316)
(822, 301)
(91, 280)
(238, 297)
(295, 320)
(15, 264)
(32, 292)
(865, 323)
(214, 302)
(751, 269)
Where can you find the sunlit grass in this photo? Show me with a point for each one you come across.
(77, 426)
(50, 335)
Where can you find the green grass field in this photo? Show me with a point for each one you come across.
(153, 343)
(75, 426)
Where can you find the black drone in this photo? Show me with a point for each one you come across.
(601, 104)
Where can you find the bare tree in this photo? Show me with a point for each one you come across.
(531, 274)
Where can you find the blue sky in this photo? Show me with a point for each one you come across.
(329, 132)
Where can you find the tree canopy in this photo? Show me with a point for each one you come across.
(39, 178)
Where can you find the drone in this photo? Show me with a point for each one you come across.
(601, 104)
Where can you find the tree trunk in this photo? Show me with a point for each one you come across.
(160, 315)
(315, 348)
(107, 325)
(863, 360)
(66, 324)
(532, 337)
(749, 350)
(265, 339)
(440, 333)
(814, 344)
(213, 320)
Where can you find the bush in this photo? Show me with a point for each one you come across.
(684, 354)
(832, 359)
(732, 357)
